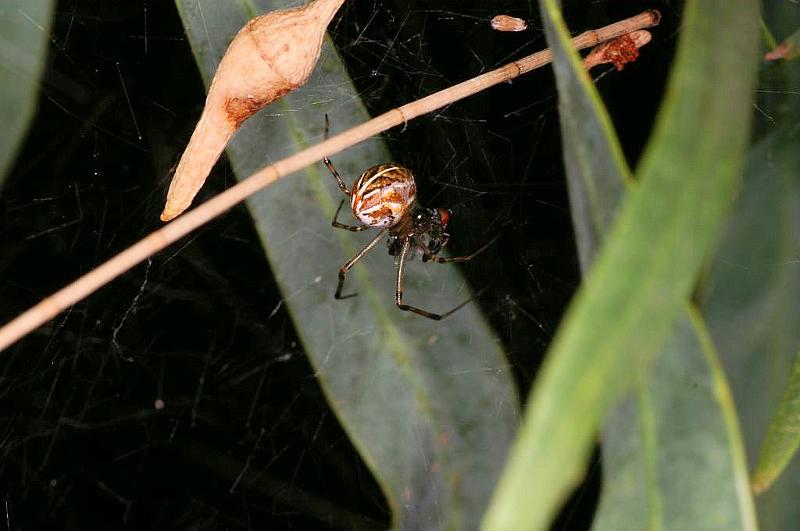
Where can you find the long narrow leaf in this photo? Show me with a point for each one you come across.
(650, 466)
(752, 306)
(673, 454)
(752, 310)
(626, 308)
(783, 437)
(24, 30)
(430, 406)
(751, 302)
(597, 172)
(597, 176)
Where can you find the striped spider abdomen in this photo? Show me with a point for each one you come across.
(383, 195)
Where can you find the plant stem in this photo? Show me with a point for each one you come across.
(183, 225)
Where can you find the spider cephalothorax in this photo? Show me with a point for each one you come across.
(427, 228)
(384, 197)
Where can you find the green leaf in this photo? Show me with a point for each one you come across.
(783, 437)
(430, 406)
(650, 466)
(625, 310)
(752, 306)
(24, 32)
(597, 172)
(751, 303)
(673, 457)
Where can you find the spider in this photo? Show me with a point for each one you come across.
(384, 197)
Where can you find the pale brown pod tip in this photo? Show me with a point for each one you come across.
(508, 23)
(271, 55)
(789, 49)
(619, 51)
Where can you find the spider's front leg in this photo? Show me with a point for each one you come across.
(350, 263)
(399, 289)
(329, 164)
(429, 255)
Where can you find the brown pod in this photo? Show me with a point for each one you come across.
(271, 55)
(508, 23)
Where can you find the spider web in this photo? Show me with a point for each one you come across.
(146, 404)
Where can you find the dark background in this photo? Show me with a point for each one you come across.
(245, 438)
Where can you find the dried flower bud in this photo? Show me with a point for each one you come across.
(788, 49)
(619, 51)
(271, 55)
(508, 23)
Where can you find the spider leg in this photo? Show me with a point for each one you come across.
(443, 260)
(353, 228)
(329, 164)
(399, 290)
(350, 263)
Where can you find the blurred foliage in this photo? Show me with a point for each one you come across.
(24, 32)
(750, 296)
(645, 271)
(783, 437)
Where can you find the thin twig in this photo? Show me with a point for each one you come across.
(180, 227)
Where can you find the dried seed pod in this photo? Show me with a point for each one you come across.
(619, 51)
(508, 23)
(788, 49)
(271, 55)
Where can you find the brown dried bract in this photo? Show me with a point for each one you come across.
(508, 23)
(779, 52)
(619, 51)
(272, 55)
(788, 49)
